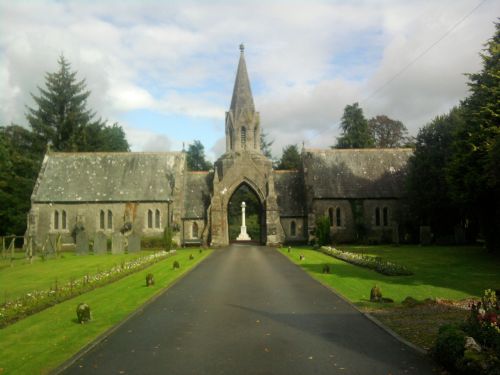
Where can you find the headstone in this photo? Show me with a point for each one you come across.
(425, 235)
(134, 243)
(395, 233)
(117, 243)
(82, 243)
(100, 244)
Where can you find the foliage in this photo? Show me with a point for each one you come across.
(61, 117)
(195, 157)
(150, 279)
(474, 167)
(388, 133)
(290, 159)
(167, 238)
(378, 264)
(265, 145)
(427, 186)
(252, 212)
(176, 265)
(19, 167)
(152, 242)
(322, 231)
(449, 347)
(83, 313)
(37, 300)
(355, 130)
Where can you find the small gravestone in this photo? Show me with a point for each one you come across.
(51, 243)
(100, 244)
(82, 243)
(134, 243)
(117, 243)
(425, 235)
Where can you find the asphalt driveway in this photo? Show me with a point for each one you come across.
(248, 310)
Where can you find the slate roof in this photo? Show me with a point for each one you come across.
(104, 177)
(356, 173)
(197, 194)
(289, 188)
(242, 93)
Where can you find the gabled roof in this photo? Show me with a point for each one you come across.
(289, 188)
(106, 177)
(197, 194)
(242, 94)
(356, 173)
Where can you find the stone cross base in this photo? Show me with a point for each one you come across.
(243, 236)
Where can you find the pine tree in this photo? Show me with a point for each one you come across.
(290, 158)
(61, 117)
(355, 130)
(196, 157)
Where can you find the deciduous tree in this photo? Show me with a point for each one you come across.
(388, 133)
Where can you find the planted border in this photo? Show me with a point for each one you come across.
(375, 263)
(38, 300)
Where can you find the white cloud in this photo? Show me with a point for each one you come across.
(306, 60)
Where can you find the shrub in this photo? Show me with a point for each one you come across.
(326, 268)
(191, 257)
(167, 238)
(450, 346)
(152, 242)
(150, 280)
(176, 265)
(323, 230)
(375, 294)
(378, 264)
(83, 313)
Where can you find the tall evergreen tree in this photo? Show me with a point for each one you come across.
(265, 145)
(290, 158)
(196, 157)
(355, 130)
(62, 119)
(475, 167)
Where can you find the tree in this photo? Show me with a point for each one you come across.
(19, 167)
(196, 157)
(290, 158)
(265, 145)
(355, 130)
(428, 189)
(388, 133)
(61, 116)
(474, 168)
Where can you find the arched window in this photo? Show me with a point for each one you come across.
(194, 231)
(157, 218)
(377, 216)
(101, 219)
(330, 216)
(243, 137)
(56, 219)
(293, 228)
(150, 219)
(110, 219)
(338, 217)
(385, 215)
(63, 220)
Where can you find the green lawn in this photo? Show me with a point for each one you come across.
(23, 277)
(439, 272)
(41, 342)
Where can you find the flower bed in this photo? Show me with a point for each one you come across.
(377, 264)
(35, 301)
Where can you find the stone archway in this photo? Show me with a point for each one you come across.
(255, 214)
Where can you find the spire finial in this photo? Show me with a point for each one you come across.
(242, 48)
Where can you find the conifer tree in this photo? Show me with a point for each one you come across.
(61, 116)
(355, 130)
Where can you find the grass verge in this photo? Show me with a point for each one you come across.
(443, 273)
(43, 341)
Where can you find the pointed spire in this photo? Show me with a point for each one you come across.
(242, 94)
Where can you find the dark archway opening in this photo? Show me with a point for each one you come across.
(254, 214)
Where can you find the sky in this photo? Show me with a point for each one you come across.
(165, 70)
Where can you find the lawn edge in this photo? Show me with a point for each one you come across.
(91, 345)
(367, 315)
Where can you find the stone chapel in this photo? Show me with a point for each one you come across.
(358, 190)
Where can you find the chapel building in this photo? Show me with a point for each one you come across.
(358, 190)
